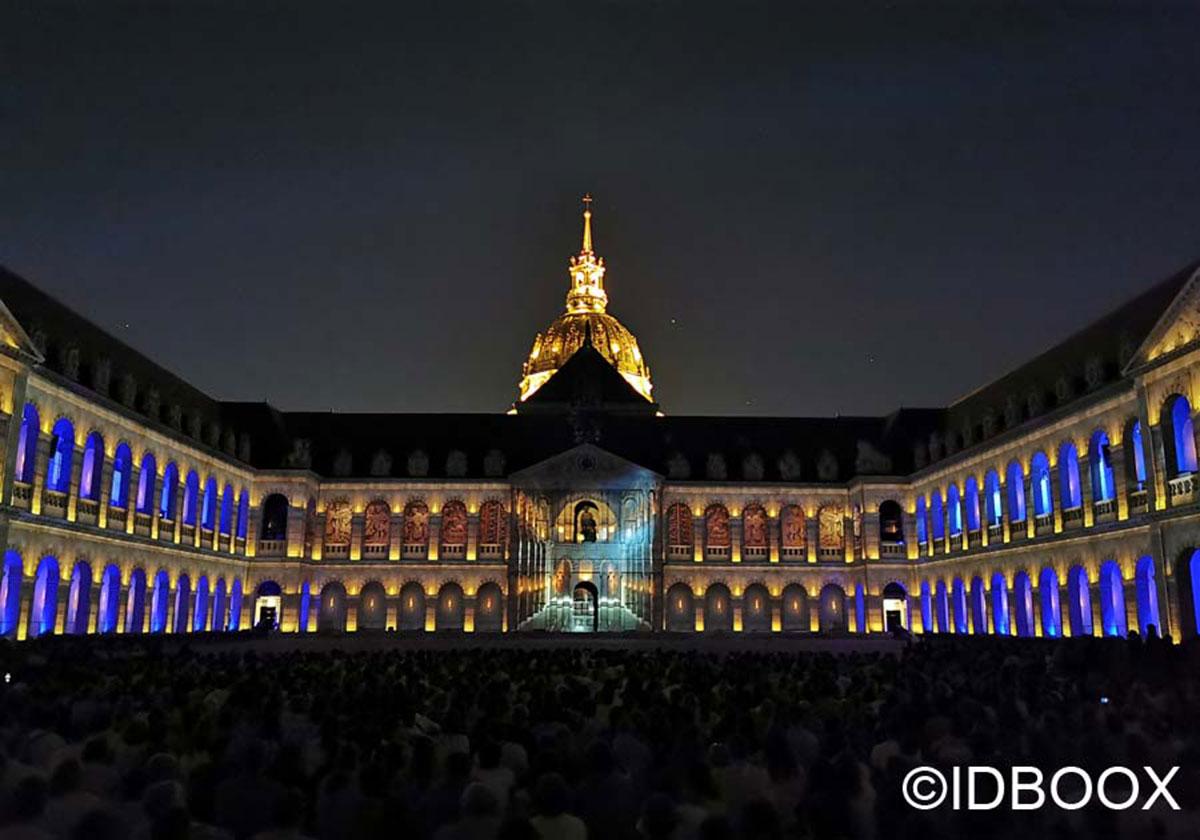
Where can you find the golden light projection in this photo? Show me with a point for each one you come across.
(585, 316)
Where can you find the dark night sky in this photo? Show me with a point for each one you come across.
(845, 208)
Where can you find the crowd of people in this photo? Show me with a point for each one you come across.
(156, 738)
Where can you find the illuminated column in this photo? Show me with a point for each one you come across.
(73, 490)
(178, 512)
(40, 462)
(1085, 489)
(394, 534)
(104, 497)
(135, 473)
(812, 537)
(121, 601)
(1154, 453)
(472, 536)
(735, 538)
(155, 508)
(774, 534)
(169, 627)
(435, 537)
(356, 535)
(1120, 489)
(93, 620)
(60, 608)
(296, 517)
(1056, 502)
(870, 534)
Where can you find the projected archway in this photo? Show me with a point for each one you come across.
(681, 609)
(718, 608)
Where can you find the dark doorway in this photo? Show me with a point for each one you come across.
(585, 612)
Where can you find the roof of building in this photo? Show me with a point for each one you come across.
(585, 400)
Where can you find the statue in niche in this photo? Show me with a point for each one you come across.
(831, 527)
(175, 417)
(337, 523)
(343, 463)
(1063, 389)
(377, 523)
(586, 518)
(416, 523)
(454, 523)
(1093, 372)
(716, 526)
(988, 424)
(229, 442)
(936, 446)
(243, 449)
(214, 435)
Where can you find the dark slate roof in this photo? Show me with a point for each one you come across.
(55, 328)
(1111, 341)
(587, 400)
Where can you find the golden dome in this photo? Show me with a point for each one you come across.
(585, 315)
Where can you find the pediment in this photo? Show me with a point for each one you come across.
(13, 335)
(1176, 329)
(586, 465)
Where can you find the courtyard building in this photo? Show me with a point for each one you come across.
(1060, 500)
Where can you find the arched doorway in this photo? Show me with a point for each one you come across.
(160, 600)
(795, 609)
(832, 609)
(585, 607)
(979, 620)
(331, 614)
(268, 604)
(1051, 609)
(895, 608)
(412, 607)
(1113, 618)
(1079, 602)
(489, 609)
(10, 593)
(135, 602)
(1023, 604)
(718, 609)
(79, 599)
(372, 607)
(1000, 617)
(183, 600)
(756, 609)
(1146, 584)
(451, 609)
(681, 610)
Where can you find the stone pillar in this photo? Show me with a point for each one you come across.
(1120, 479)
(434, 549)
(1056, 500)
(357, 522)
(473, 536)
(395, 532)
(1086, 498)
(40, 462)
(735, 538)
(74, 489)
(774, 533)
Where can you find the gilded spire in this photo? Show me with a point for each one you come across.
(587, 224)
(587, 271)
